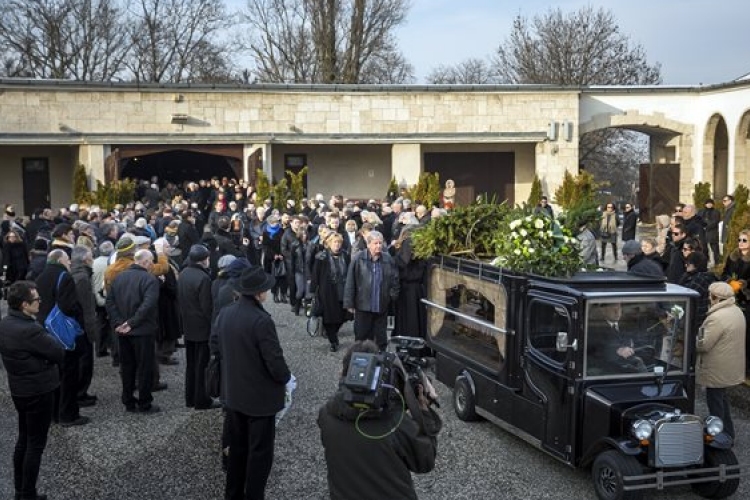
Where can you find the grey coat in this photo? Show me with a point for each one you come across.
(359, 283)
(722, 346)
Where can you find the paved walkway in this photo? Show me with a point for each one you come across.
(174, 455)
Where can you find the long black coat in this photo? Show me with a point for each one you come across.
(323, 284)
(253, 370)
(134, 298)
(16, 258)
(30, 355)
(170, 327)
(629, 222)
(411, 315)
(196, 304)
(66, 297)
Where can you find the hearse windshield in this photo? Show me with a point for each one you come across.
(635, 336)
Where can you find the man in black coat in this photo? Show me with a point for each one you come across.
(288, 240)
(711, 219)
(253, 378)
(629, 223)
(373, 469)
(31, 357)
(676, 266)
(133, 308)
(57, 286)
(196, 306)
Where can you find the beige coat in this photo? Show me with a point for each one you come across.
(721, 348)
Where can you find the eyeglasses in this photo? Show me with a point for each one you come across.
(35, 299)
(742, 240)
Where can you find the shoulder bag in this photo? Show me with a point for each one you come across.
(61, 326)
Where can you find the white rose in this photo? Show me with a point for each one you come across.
(531, 250)
(517, 251)
(514, 224)
(523, 232)
(514, 235)
(526, 243)
(539, 223)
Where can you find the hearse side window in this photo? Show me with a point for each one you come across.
(461, 332)
(545, 321)
(628, 337)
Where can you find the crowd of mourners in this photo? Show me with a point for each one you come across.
(152, 276)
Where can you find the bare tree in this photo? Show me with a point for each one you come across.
(469, 71)
(582, 48)
(171, 37)
(70, 39)
(326, 41)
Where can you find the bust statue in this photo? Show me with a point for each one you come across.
(449, 194)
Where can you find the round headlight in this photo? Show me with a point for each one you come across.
(714, 426)
(642, 429)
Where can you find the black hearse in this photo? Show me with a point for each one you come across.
(539, 357)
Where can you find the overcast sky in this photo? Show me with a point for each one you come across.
(696, 41)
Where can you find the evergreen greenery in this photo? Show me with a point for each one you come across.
(535, 196)
(740, 218)
(701, 193)
(280, 195)
(81, 192)
(574, 189)
(297, 187)
(427, 189)
(392, 188)
(262, 187)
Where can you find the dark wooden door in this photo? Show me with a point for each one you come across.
(659, 190)
(476, 173)
(36, 192)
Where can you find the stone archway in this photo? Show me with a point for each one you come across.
(716, 154)
(742, 150)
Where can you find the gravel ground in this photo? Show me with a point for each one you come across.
(175, 454)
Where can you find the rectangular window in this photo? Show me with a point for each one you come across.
(635, 337)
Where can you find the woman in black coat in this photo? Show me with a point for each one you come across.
(272, 252)
(327, 282)
(15, 257)
(411, 317)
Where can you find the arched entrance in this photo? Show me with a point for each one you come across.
(742, 149)
(177, 163)
(716, 155)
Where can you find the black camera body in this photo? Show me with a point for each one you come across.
(371, 378)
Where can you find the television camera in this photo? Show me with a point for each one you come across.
(371, 378)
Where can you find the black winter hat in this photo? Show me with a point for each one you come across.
(198, 253)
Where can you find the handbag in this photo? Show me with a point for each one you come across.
(278, 269)
(213, 377)
(61, 326)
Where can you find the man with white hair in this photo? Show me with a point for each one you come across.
(133, 307)
(372, 283)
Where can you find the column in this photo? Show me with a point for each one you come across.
(406, 163)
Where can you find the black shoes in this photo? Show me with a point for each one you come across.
(76, 422)
(146, 410)
(161, 386)
(213, 406)
(87, 400)
(334, 346)
(35, 497)
(168, 361)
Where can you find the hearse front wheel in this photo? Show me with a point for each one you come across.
(464, 401)
(608, 471)
(716, 489)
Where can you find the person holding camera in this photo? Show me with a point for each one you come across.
(371, 452)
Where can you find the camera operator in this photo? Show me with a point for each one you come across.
(371, 453)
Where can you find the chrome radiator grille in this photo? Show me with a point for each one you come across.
(679, 443)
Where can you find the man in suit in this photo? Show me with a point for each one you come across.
(253, 378)
(610, 348)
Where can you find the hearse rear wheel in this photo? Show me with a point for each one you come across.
(464, 401)
(608, 471)
(716, 489)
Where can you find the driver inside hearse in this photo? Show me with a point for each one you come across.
(628, 337)
(611, 347)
